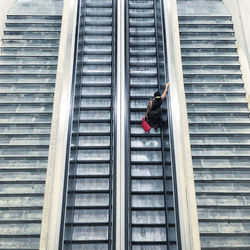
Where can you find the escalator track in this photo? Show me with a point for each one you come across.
(151, 219)
(89, 211)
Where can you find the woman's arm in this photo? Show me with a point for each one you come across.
(165, 91)
(148, 108)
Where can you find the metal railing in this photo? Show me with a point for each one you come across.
(61, 128)
(187, 218)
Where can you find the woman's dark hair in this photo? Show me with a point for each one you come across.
(157, 95)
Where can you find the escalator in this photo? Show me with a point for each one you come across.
(89, 204)
(218, 123)
(150, 209)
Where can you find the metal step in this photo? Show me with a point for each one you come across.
(102, 21)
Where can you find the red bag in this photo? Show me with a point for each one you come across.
(145, 125)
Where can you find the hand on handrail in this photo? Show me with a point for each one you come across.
(165, 91)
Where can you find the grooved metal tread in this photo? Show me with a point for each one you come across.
(25, 119)
(219, 131)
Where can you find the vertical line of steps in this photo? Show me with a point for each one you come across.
(28, 62)
(89, 207)
(219, 126)
(148, 228)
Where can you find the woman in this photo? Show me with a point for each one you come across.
(153, 113)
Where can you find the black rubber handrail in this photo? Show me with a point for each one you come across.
(113, 132)
(128, 212)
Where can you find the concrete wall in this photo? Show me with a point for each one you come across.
(5, 6)
(240, 11)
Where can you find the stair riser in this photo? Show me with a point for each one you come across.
(56, 18)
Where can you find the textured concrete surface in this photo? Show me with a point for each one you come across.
(38, 7)
(218, 122)
(4, 9)
(201, 7)
(240, 11)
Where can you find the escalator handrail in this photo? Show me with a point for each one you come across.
(179, 132)
(60, 128)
